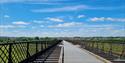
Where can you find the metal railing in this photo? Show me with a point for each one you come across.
(111, 50)
(21, 51)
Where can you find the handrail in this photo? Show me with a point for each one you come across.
(61, 55)
(21, 50)
(17, 42)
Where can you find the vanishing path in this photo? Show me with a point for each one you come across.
(73, 54)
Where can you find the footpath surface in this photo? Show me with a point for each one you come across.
(73, 54)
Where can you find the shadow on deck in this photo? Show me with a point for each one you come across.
(50, 56)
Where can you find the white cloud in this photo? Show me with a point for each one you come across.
(20, 23)
(70, 24)
(75, 8)
(97, 19)
(55, 19)
(6, 16)
(63, 32)
(11, 26)
(107, 19)
(116, 19)
(38, 21)
(81, 16)
(66, 8)
(7, 26)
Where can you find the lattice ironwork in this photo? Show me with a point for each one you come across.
(19, 51)
(32, 49)
(4, 49)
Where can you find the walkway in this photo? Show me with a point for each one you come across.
(73, 54)
(51, 56)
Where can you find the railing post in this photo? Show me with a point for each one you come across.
(97, 47)
(92, 46)
(89, 45)
(27, 49)
(41, 46)
(46, 44)
(36, 47)
(110, 51)
(10, 56)
(103, 47)
(123, 51)
(63, 55)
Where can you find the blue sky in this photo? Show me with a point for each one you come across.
(62, 18)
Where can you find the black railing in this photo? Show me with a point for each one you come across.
(21, 51)
(109, 50)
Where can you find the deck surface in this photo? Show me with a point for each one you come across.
(74, 54)
(53, 56)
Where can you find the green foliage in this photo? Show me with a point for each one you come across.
(13, 39)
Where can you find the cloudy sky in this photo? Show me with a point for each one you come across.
(62, 18)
